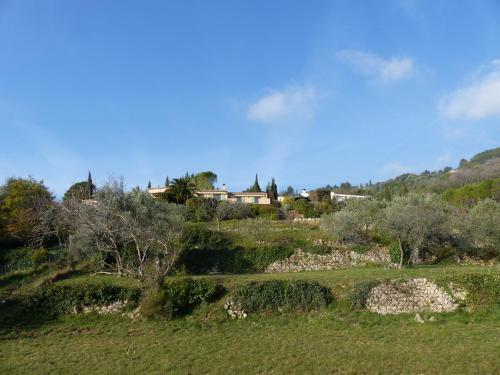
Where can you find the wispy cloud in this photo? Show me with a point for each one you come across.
(478, 100)
(378, 68)
(397, 168)
(296, 103)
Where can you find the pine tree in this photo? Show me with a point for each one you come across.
(167, 182)
(149, 185)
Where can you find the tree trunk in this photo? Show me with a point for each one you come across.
(401, 253)
(414, 257)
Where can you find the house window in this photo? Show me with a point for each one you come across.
(255, 200)
(239, 199)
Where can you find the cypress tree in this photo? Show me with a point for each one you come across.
(149, 185)
(90, 186)
(167, 182)
(256, 188)
(274, 189)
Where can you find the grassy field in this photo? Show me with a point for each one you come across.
(335, 340)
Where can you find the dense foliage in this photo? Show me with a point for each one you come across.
(60, 299)
(469, 195)
(178, 297)
(207, 251)
(360, 292)
(282, 295)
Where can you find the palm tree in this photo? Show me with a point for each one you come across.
(181, 189)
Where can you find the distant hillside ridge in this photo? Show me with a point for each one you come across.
(485, 156)
(482, 166)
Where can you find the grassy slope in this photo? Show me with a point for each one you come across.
(329, 341)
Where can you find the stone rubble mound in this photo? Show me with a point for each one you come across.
(235, 310)
(409, 296)
(304, 261)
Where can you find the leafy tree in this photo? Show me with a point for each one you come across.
(133, 233)
(21, 203)
(481, 228)
(416, 220)
(204, 180)
(181, 189)
(80, 191)
(201, 209)
(353, 222)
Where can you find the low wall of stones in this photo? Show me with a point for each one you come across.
(303, 261)
(411, 296)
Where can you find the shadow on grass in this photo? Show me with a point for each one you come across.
(16, 315)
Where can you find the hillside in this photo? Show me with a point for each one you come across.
(485, 165)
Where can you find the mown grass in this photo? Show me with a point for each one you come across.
(333, 340)
(321, 342)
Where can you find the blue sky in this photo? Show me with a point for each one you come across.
(311, 93)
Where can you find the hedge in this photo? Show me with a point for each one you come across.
(60, 299)
(282, 295)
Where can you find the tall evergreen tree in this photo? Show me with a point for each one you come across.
(167, 182)
(274, 189)
(90, 186)
(255, 188)
(149, 185)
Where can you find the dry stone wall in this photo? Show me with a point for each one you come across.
(410, 296)
(304, 261)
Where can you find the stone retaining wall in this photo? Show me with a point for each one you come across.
(304, 261)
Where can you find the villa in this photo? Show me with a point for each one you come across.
(224, 195)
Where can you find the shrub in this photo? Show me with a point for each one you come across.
(60, 299)
(483, 289)
(179, 297)
(39, 256)
(208, 251)
(359, 294)
(282, 295)
(267, 211)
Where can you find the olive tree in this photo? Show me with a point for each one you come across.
(481, 227)
(133, 232)
(414, 221)
(354, 221)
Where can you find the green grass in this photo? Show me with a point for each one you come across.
(333, 340)
(322, 342)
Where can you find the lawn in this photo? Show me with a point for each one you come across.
(334, 340)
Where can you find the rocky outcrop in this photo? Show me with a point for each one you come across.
(410, 296)
(304, 261)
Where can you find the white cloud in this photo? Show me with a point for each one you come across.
(382, 70)
(291, 104)
(478, 100)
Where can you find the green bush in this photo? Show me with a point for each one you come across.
(282, 295)
(179, 297)
(39, 257)
(483, 289)
(60, 299)
(359, 294)
(207, 251)
(267, 211)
